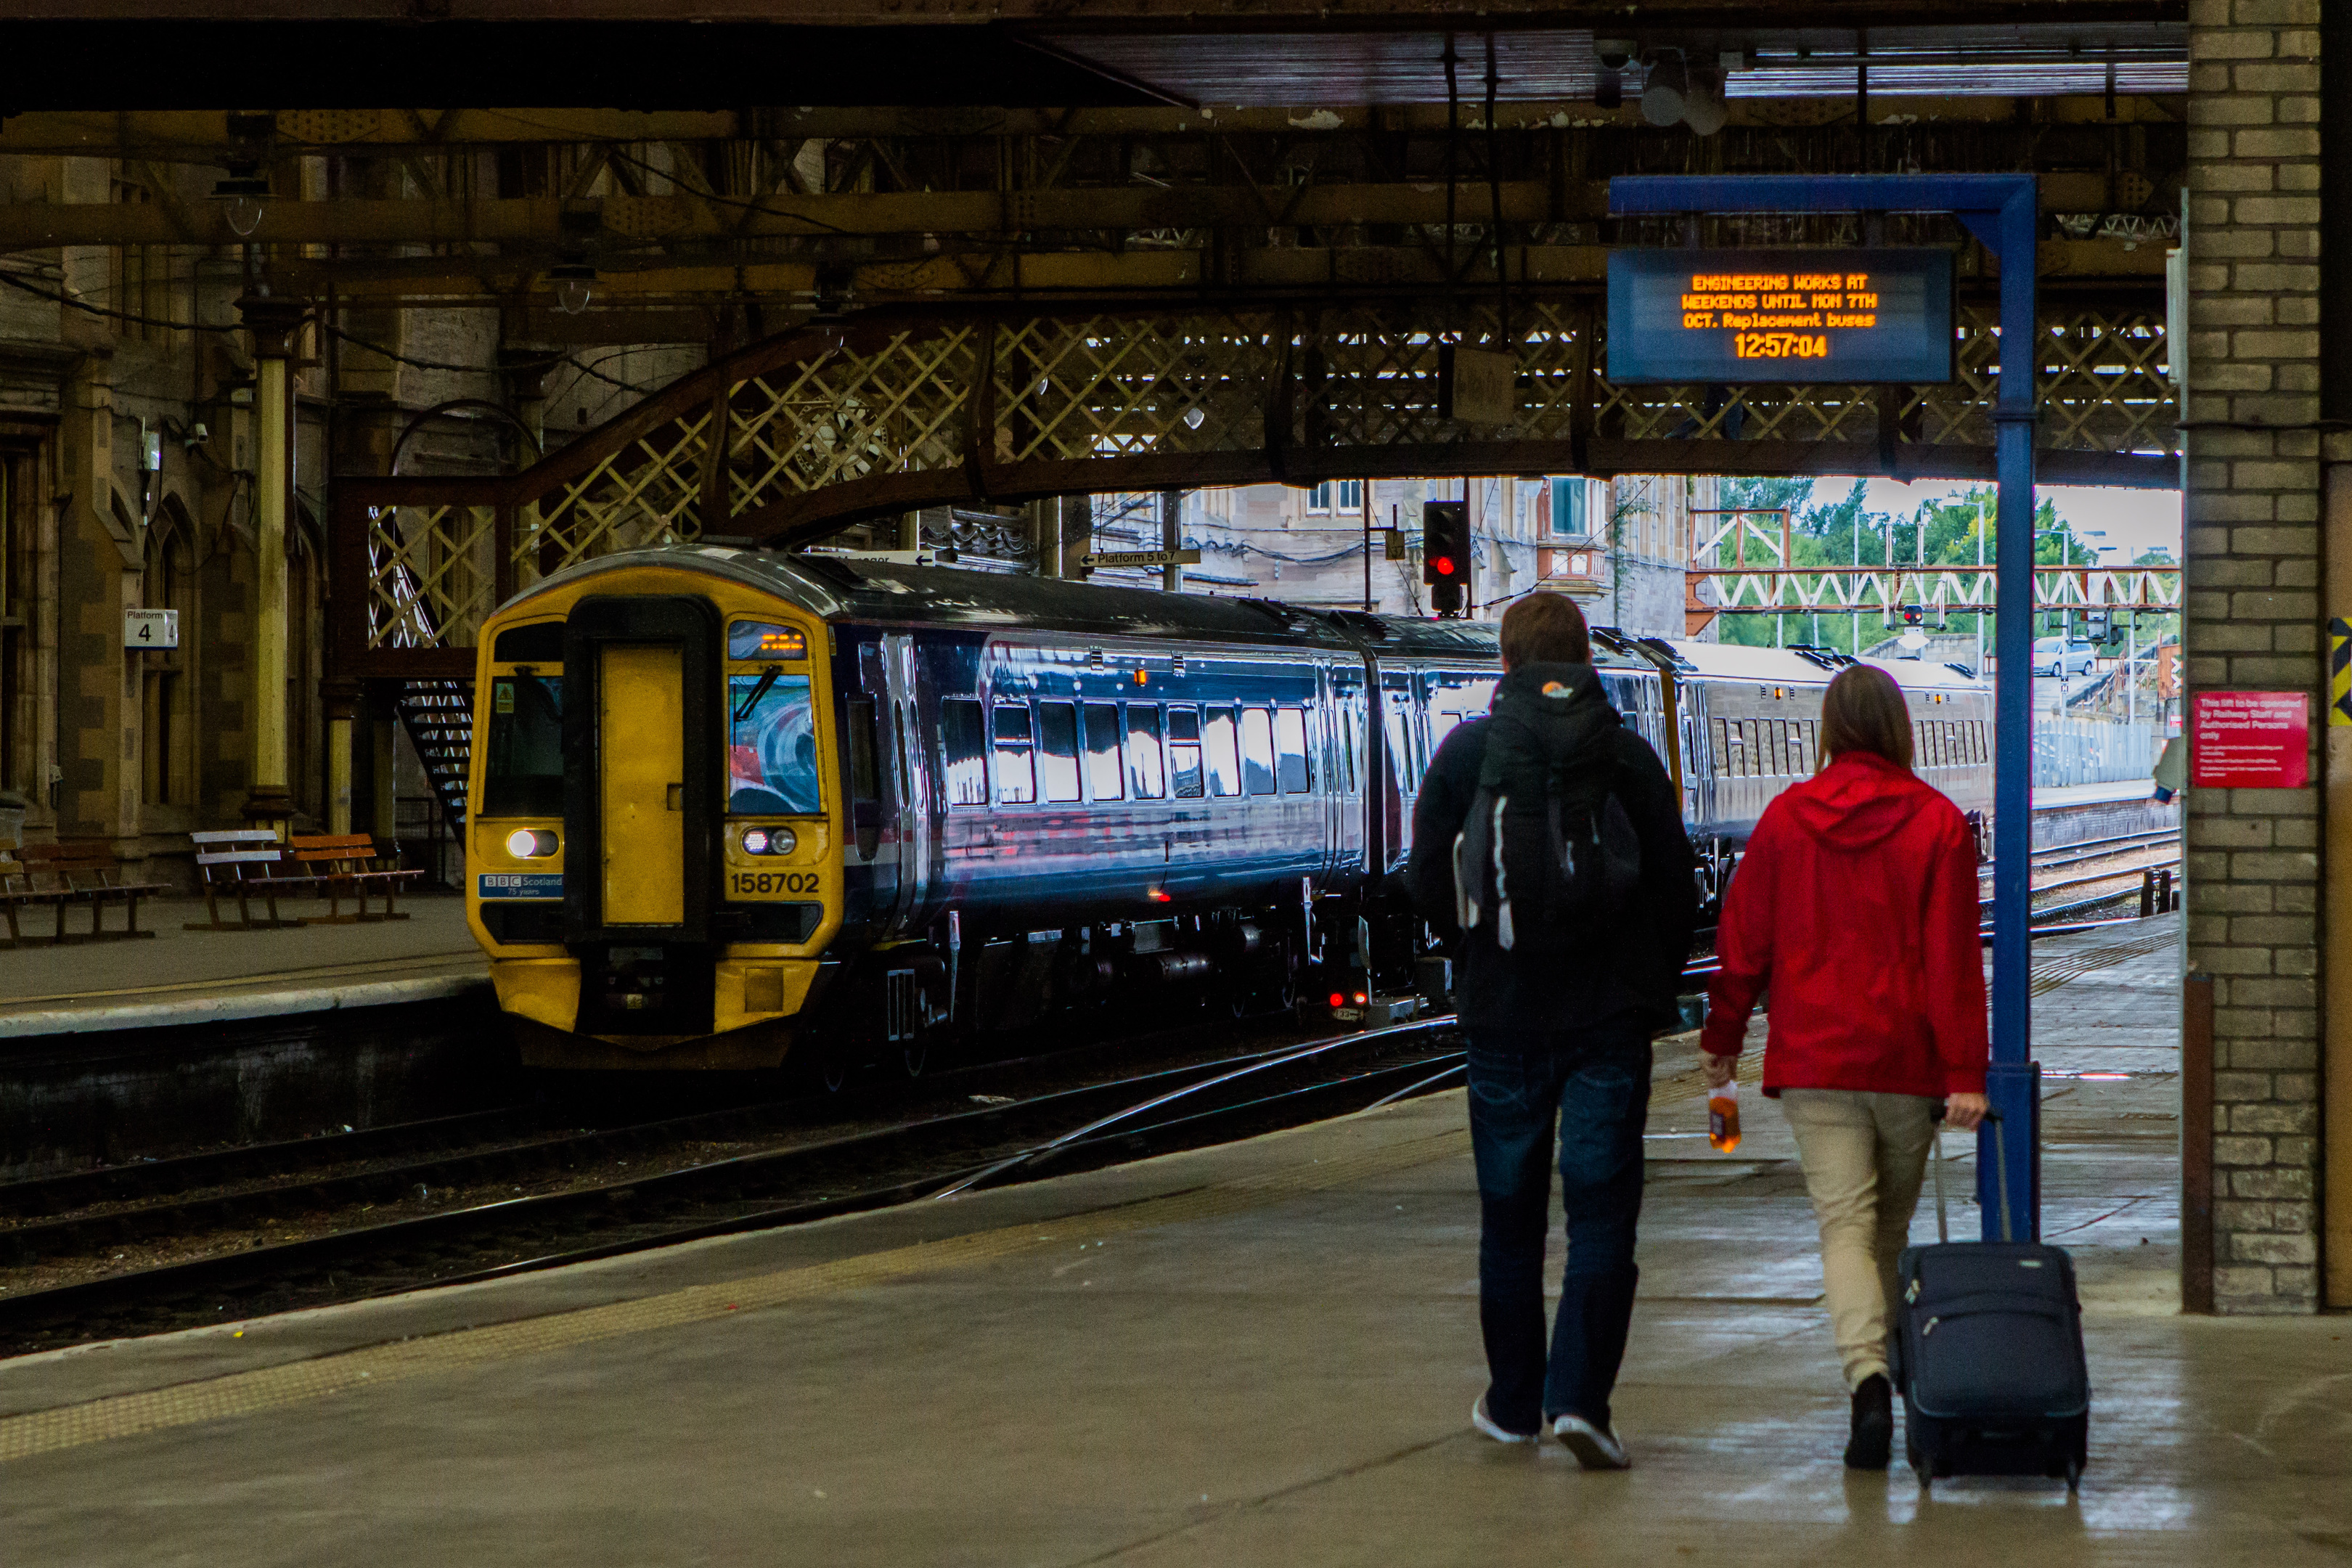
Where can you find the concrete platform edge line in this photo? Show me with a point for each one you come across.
(226, 1009)
(272, 1387)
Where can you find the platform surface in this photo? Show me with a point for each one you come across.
(1261, 1353)
(181, 977)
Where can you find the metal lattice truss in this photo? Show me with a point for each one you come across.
(432, 575)
(1878, 589)
(924, 408)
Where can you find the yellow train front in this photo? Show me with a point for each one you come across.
(626, 712)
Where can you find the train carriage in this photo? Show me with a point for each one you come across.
(729, 804)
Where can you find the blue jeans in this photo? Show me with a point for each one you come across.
(1597, 1083)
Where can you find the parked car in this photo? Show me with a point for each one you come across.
(2060, 657)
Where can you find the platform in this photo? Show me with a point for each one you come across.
(1260, 1353)
(181, 977)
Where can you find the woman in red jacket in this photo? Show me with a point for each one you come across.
(1856, 904)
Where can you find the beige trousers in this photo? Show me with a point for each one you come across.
(1864, 1156)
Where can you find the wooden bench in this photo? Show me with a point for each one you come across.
(83, 872)
(241, 862)
(349, 864)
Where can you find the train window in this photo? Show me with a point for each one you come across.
(1350, 718)
(1257, 751)
(1291, 769)
(771, 743)
(523, 774)
(1103, 773)
(1400, 752)
(865, 770)
(963, 750)
(541, 642)
(1146, 775)
(1184, 751)
(1058, 750)
(1016, 773)
(1220, 753)
(748, 640)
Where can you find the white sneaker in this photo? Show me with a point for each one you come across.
(1486, 1424)
(1595, 1449)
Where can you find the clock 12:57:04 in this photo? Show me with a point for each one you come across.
(1782, 345)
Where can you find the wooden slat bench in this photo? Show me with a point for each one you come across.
(241, 862)
(349, 864)
(83, 872)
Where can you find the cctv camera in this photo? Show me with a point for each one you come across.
(1615, 52)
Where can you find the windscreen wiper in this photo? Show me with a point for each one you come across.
(767, 679)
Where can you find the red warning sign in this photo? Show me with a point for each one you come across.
(2249, 739)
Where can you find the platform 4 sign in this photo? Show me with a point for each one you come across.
(1734, 316)
(2249, 739)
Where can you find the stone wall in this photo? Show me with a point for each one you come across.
(2253, 622)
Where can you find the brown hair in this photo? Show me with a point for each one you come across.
(1863, 710)
(1545, 628)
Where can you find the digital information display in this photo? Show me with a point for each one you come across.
(1686, 316)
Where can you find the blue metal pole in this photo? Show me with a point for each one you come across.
(2014, 1082)
(2000, 210)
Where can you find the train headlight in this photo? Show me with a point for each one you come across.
(770, 841)
(531, 844)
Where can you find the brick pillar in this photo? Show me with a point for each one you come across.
(2254, 623)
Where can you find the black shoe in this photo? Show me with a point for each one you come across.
(1874, 1424)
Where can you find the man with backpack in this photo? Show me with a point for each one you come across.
(1548, 850)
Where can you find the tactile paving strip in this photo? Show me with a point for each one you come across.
(2048, 977)
(273, 1388)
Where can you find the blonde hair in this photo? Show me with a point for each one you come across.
(1863, 710)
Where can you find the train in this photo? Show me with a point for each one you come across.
(730, 807)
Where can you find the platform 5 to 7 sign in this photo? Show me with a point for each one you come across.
(2249, 739)
(1734, 316)
(1143, 558)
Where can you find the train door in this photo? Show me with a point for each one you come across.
(644, 766)
(1343, 768)
(1397, 775)
(907, 790)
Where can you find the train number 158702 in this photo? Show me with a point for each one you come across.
(770, 884)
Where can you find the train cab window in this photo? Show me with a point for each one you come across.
(963, 752)
(1058, 750)
(1219, 751)
(1184, 753)
(1103, 773)
(1017, 775)
(771, 743)
(1146, 769)
(1290, 765)
(523, 774)
(1257, 751)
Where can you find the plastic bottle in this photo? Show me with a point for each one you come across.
(1722, 1117)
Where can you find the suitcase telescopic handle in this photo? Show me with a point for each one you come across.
(1999, 1168)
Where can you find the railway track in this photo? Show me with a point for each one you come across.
(1048, 1132)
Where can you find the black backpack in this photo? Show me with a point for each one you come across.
(1548, 860)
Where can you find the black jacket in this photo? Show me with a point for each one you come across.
(1636, 975)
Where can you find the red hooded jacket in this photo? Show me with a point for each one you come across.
(1856, 903)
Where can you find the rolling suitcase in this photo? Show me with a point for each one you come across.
(1990, 1346)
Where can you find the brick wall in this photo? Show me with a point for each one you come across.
(2254, 621)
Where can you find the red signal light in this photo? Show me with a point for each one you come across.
(1443, 565)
